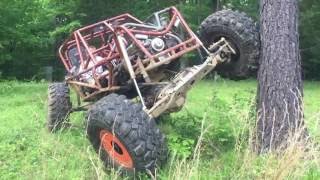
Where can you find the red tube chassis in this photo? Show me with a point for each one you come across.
(103, 36)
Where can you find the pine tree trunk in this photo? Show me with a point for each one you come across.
(280, 90)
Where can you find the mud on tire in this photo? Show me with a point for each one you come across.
(59, 105)
(242, 32)
(124, 135)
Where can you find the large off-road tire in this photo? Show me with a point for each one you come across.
(242, 32)
(124, 135)
(59, 105)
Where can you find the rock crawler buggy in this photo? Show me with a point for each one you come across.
(127, 72)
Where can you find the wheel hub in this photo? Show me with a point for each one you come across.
(115, 149)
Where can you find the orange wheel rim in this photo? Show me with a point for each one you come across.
(115, 149)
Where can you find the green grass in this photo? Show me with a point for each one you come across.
(28, 151)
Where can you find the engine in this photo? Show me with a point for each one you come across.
(154, 45)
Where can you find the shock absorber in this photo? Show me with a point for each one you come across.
(130, 68)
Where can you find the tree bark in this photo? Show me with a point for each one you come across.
(279, 110)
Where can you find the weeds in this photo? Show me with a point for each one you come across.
(210, 138)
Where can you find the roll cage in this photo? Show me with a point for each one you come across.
(105, 36)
